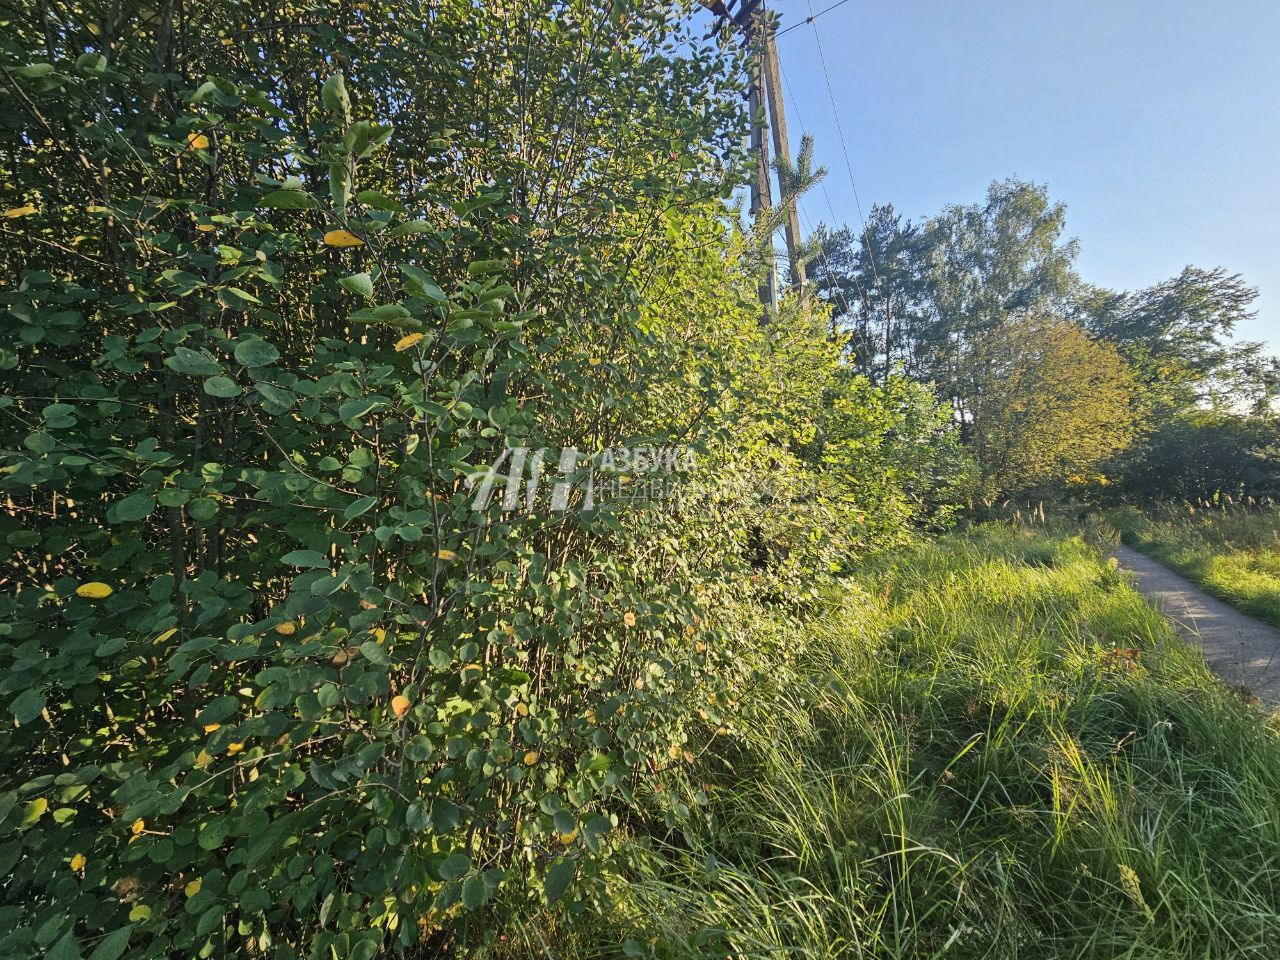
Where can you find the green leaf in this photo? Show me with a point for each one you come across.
(418, 817)
(136, 506)
(256, 353)
(306, 558)
(202, 509)
(192, 363)
(221, 387)
(276, 395)
(455, 865)
(419, 283)
(288, 200)
(33, 71)
(335, 98)
(361, 284)
(558, 878)
(474, 892)
(358, 507)
(387, 313)
(219, 709)
(375, 653)
(339, 185)
(358, 407)
(479, 268)
(113, 945)
(413, 227)
(27, 705)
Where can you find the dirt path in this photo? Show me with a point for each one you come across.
(1240, 649)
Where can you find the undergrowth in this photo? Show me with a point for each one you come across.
(990, 747)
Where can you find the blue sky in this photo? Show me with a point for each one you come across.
(1155, 121)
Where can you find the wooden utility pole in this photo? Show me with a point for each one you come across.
(764, 98)
(761, 183)
(781, 147)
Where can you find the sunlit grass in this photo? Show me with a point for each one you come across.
(1234, 553)
(992, 747)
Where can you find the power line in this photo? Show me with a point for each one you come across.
(812, 17)
(844, 146)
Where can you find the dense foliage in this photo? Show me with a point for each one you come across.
(1046, 403)
(991, 747)
(279, 284)
(924, 297)
(1200, 454)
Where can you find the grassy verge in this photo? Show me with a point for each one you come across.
(991, 747)
(1233, 553)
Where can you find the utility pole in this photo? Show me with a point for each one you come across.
(764, 97)
(781, 147)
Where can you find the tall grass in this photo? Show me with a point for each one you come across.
(990, 747)
(1232, 551)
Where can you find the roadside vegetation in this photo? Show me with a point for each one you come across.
(287, 287)
(1232, 550)
(987, 746)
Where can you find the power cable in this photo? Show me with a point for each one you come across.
(812, 17)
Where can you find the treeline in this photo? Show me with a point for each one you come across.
(1060, 386)
(280, 283)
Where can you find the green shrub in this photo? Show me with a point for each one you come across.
(991, 747)
(279, 281)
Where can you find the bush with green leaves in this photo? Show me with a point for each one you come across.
(277, 282)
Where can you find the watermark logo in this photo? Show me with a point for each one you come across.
(519, 475)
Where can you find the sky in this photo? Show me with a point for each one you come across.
(1157, 122)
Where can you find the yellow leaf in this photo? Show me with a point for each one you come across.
(531, 758)
(203, 760)
(379, 634)
(166, 635)
(629, 619)
(139, 913)
(35, 810)
(197, 141)
(400, 705)
(78, 862)
(405, 342)
(234, 748)
(94, 29)
(138, 826)
(210, 727)
(287, 629)
(522, 709)
(568, 838)
(192, 888)
(342, 238)
(445, 554)
(206, 227)
(94, 590)
(591, 716)
(594, 361)
(20, 211)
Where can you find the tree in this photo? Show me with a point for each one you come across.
(1197, 454)
(1175, 334)
(875, 282)
(1045, 404)
(990, 262)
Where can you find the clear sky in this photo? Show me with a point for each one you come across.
(1157, 122)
